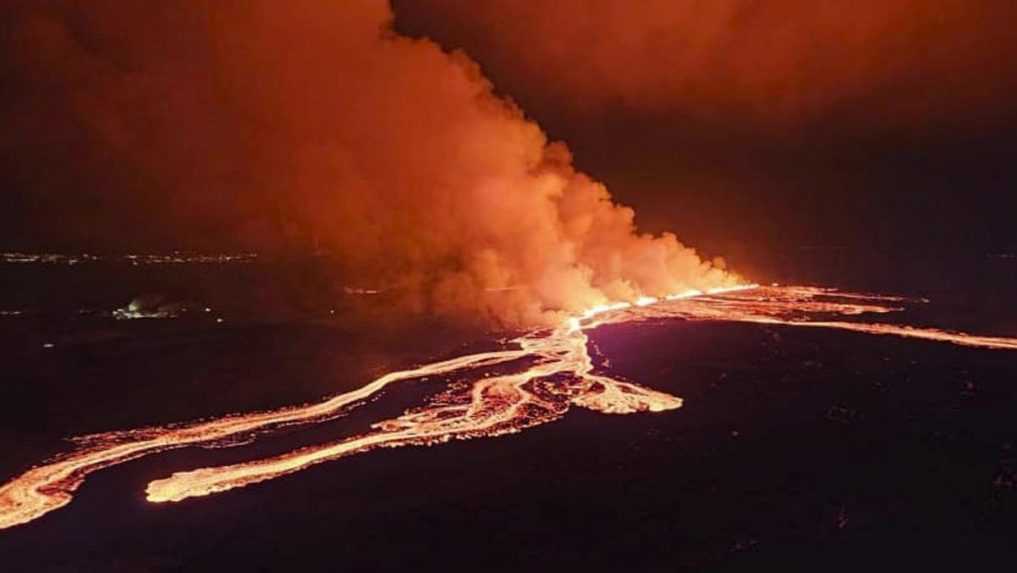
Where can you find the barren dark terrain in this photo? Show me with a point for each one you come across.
(795, 448)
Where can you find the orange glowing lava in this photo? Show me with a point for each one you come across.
(816, 308)
(549, 371)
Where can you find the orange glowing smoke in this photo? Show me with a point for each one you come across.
(554, 372)
(779, 62)
(310, 124)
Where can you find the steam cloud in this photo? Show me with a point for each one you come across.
(311, 124)
(775, 63)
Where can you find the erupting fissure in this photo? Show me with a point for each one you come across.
(549, 371)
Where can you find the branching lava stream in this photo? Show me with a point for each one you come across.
(556, 372)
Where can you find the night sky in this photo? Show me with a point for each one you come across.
(745, 127)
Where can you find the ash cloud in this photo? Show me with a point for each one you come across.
(776, 64)
(312, 125)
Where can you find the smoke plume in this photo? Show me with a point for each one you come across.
(311, 124)
(774, 63)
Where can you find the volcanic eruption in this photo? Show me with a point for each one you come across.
(312, 125)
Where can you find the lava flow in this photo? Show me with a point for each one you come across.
(548, 372)
(815, 307)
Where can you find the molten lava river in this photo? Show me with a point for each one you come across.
(539, 377)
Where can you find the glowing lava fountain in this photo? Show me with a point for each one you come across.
(548, 371)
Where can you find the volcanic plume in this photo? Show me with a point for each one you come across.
(775, 63)
(311, 125)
